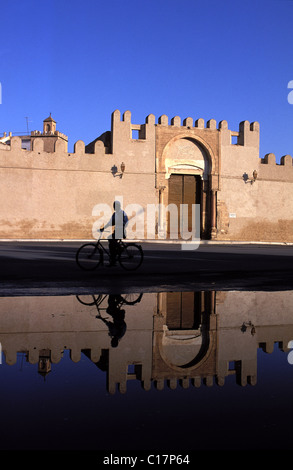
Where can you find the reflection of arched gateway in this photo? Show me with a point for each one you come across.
(185, 341)
(187, 171)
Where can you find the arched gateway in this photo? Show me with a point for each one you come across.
(188, 162)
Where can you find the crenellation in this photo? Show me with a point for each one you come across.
(60, 146)
(79, 147)
(211, 124)
(199, 123)
(223, 124)
(184, 382)
(244, 126)
(99, 148)
(196, 381)
(75, 354)
(127, 116)
(270, 159)
(268, 347)
(176, 121)
(220, 381)
(15, 143)
(163, 120)
(254, 126)
(150, 119)
(38, 145)
(172, 383)
(188, 122)
(116, 116)
(286, 160)
(159, 384)
(248, 134)
(208, 381)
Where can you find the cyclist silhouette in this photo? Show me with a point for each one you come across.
(118, 220)
(117, 327)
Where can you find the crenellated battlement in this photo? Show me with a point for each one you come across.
(60, 147)
(49, 134)
(285, 160)
(245, 128)
(134, 140)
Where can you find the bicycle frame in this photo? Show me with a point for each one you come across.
(129, 255)
(100, 246)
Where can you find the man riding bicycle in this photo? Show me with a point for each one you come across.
(118, 221)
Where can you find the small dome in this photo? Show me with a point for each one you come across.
(49, 119)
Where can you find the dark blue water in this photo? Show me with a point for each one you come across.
(71, 409)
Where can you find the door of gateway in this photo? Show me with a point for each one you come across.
(184, 189)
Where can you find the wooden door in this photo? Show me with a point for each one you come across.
(183, 310)
(183, 189)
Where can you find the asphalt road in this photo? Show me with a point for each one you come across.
(49, 268)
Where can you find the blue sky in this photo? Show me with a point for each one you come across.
(206, 59)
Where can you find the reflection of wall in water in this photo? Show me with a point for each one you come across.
(186, 338)
(248, 321)
(217, 335)
(43, 327)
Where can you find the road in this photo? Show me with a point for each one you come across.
(49, 268)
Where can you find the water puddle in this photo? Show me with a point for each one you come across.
(169, 371)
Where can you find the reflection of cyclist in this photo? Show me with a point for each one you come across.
(118, 220)
(117, 328)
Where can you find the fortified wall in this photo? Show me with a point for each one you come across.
(51, 193)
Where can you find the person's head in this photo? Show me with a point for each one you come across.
(116, 205)
(114, 342)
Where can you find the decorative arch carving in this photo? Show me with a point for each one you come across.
(202, 345)
(201, 162)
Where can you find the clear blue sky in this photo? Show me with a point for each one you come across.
(226, 59)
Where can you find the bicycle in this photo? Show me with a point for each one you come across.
(91, 255)
(90, 300)
(115, 315)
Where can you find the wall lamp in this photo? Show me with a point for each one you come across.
(252, 180)
(114, 170)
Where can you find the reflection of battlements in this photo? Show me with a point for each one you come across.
(185, 338)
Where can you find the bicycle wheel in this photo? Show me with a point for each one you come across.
(131, 257)
(89, 299)
(131, 299)
(88, 257)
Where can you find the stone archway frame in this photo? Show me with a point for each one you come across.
(194, 365)
(191, 166)
(209, 176)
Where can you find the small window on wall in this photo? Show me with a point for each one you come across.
(234, 139)
(26, 144)
(135, 134)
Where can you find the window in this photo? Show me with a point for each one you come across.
(135, 134)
